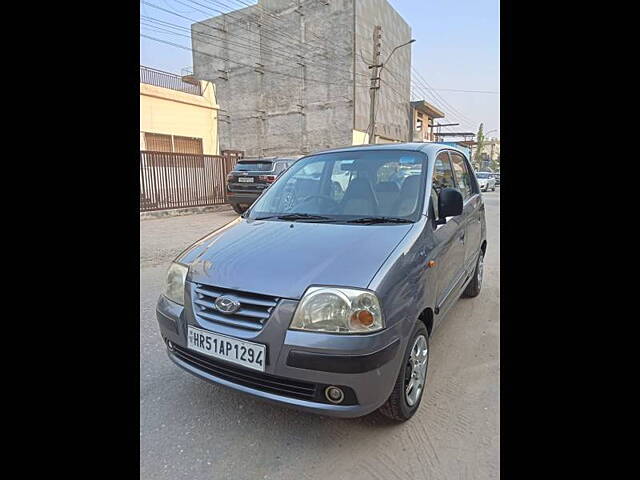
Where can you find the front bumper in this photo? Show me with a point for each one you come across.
(364, 366)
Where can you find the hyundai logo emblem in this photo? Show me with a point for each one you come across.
(227, 304)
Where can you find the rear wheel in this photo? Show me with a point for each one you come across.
(238, 209)
(409, 387)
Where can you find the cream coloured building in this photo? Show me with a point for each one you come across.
(177, 114)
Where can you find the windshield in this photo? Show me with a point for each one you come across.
(483, 175)
(253, 167)
(361, 186)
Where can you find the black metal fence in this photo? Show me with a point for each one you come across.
(179, 180)
(168, 80)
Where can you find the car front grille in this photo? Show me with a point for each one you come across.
(248, 378)
(255, 309)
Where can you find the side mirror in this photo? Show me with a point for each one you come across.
(449, 204)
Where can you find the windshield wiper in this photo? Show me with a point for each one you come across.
(372, 220)
(296, 216)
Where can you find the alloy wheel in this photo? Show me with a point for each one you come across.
(416, 370)
(480, 269)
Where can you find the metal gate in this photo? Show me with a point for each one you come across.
(179, 180)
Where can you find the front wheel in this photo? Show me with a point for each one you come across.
(409, 387)
(474, 286)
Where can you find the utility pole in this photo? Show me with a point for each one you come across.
(375, 81)
(376, 69)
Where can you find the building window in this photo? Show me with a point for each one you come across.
(157, 142)
(187, 145)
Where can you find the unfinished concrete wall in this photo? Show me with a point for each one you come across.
(284, 72)
(392, 106)
(284, 87)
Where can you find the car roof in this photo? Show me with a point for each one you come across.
(425, 147)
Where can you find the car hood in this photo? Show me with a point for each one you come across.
(283, 259)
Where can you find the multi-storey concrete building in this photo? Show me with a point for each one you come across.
(292, 76)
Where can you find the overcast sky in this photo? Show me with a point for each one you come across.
(457, 48)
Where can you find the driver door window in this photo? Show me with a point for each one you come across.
(463, 178)
(341, 175)
(442, 173)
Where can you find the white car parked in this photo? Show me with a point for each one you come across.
(486, 181)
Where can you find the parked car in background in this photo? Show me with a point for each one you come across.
(250, 177)
(324, 295)
(497, 177)
(486, 181)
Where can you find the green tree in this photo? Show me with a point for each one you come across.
(495, 164)
(479, 145)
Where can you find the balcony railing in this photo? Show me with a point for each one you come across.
(172, 81)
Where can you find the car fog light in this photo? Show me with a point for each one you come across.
(169, 344)
(334, 394)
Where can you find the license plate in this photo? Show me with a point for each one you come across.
(245, 179)
(248, 354)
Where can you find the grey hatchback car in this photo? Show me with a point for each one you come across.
(324, 294)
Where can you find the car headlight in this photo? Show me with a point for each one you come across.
(176, 276)
(338, 310)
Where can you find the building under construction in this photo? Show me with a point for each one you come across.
(293, 76)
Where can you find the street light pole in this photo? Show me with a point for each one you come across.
(376, 70)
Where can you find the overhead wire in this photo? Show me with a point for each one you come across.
(253, 49)
(276, 17)
(245, 64)
(308, 61)
(272, 29)
(265, 33)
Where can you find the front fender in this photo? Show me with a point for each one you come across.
(403, 283)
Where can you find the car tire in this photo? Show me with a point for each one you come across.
(493, 189)
(238, 209)
(398, 406)
(474, 286)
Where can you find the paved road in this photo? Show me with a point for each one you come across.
(192, 429)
